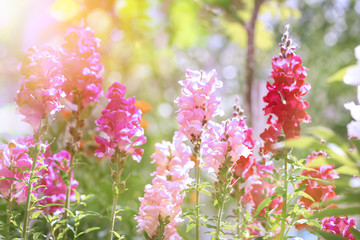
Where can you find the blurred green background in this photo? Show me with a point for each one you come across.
(148, 44)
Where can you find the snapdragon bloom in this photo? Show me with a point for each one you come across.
(230, 139)
(352, 78)
(54, 189)
(120, 121)
(82, 67)
(40, 88)
(284, 103)
(15, 162)
(319, 191)
(257, 189)
(339, 226)
(162, 200)
(198, 102)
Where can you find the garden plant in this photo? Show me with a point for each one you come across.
(92, 168)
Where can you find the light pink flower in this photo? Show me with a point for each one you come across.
(40, 89)
(230, 139)
(163, 198)
(198, 102)
(120, 121)
(82, 67)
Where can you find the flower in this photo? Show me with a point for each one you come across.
(120, 121)
(318, 190)
(82, 67)
(54, 188)
(40, 89)
(15, 163)
(285, 107)
(257, 189)
(198, 103)
(162, 200)
(230, 139)
(352, 74)
(352, 78)
(339, 226)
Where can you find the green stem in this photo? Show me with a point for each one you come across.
(239, 213)
(284, 206)
(73, 148)
(117, 188)
(218, 225)
(9, 210)
(28, 198)
(197, 175)
(113, 214)
(68, 187)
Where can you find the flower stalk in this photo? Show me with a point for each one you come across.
(34, 156)
(222, 192)
(118, 187)
(197, 177)
(284, 206)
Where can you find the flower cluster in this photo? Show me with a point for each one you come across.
(82, 67)
(120, 121)
(40, 89)
(257, 188)
(54, 187)
(15, 163)
(339, 226)
(230, 139)
(319, 191)
(162, 201)
(198, 103)
(284, 103)
(352, 78)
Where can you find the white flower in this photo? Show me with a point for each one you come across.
(352, 76)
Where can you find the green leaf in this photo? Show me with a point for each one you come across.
(263, 204)
(356, 233)
(305, 195)
(328, 236)
(190, 226)
(36, 214)
(205, 191)
(348, 170)
(332, 212)
(118, 235)
(91, 229)
(339, 75)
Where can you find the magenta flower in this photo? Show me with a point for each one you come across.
(15, 163)
(120, 121)
(198, 103)
(163, 199)
(285, 107)
(339, 226)
(40, 89)
(82, 67)
(54, 186)
(230, 139)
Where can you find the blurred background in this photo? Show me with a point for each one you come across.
(148, 44)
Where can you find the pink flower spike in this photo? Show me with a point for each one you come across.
(120, 121)
(15, 163)
(82, 67)
(55, 187)
(40, 89)
(198, 102)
